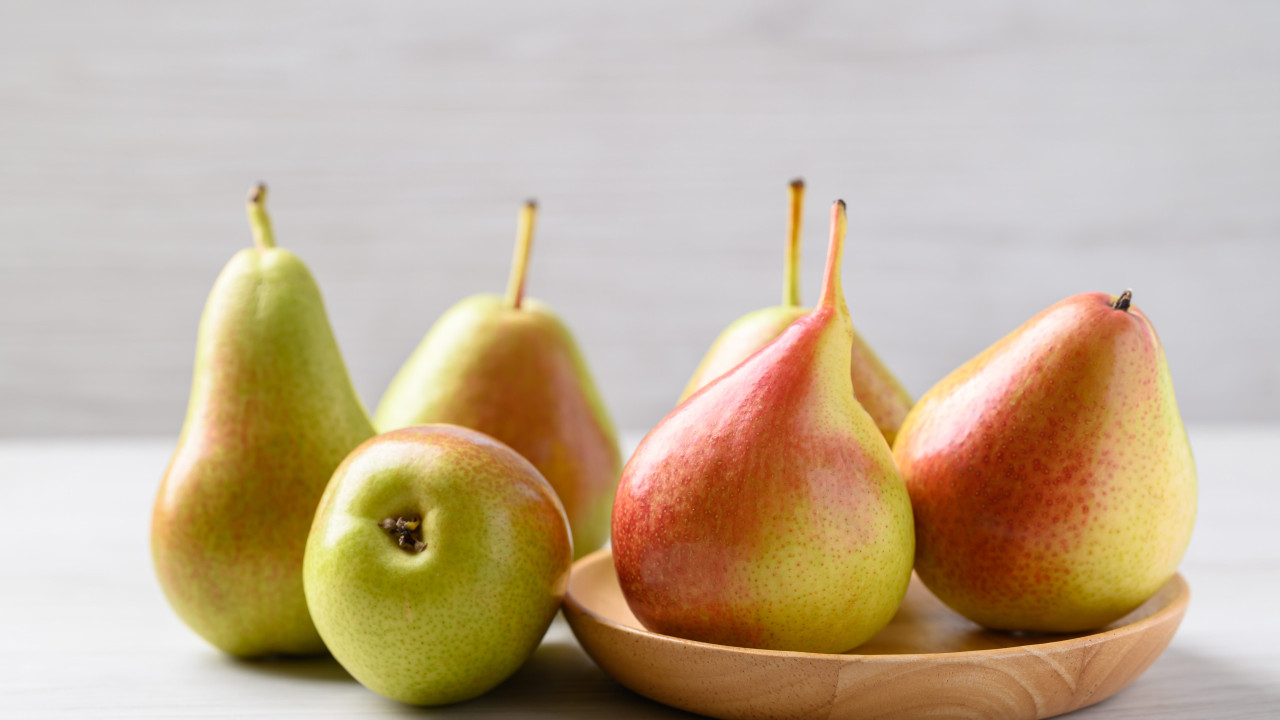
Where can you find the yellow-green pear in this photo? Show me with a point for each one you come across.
(272, 413)
(873, 384)
(508, 367)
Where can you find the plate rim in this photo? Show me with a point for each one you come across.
(1176, 606)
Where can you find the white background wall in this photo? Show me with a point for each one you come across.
(997, 156)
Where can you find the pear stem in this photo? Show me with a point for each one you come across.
(263, 236)
(520, 262)
(791, 278)
(1122, 302)
(406, 532)
(832, 289)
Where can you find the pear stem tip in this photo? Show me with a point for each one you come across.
(832, 291)
(791, 267)
(264, 236)
(520, 261)
(1122, 303)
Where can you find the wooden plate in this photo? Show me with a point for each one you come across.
(929, 661)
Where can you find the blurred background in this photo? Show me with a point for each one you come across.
(997, 156)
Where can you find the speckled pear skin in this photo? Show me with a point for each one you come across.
(516, 374)
(450, 622)
(874, 385)
(272, 413)
(1053, 484)
(766, 511)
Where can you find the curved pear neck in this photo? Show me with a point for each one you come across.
(520, 261)
(264, 237)
(832, 288)
(791, 277)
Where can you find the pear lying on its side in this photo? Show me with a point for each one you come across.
(272, 413)
(1052, 481)
(508, 367)
(437, 559)
(874, 385)
(765, 511)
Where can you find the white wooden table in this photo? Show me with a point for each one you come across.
(85, 632)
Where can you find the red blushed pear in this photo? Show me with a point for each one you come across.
(765, 511)
(272, 413)
(1051, 476)
(508, 367)
(874, 385)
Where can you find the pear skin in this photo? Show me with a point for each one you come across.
(272, 413)
(509, 368)
(875, 386)
(766, 511)
(437, 560)
(1053, 484)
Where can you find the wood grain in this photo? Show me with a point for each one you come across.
(997, 156)
(929, 662)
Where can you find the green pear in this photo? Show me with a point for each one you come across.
(272, 413)
(1053, 484)
(436, 562)
(765, 511)
(508, 367)
(876, 388)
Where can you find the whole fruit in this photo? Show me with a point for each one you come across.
(1051, 477)
(437, 559)
(272, 413)
(765, 511)
(508, 367)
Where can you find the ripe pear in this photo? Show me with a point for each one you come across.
(765, 511)
(508, 367)
(1052, 481)
(272, 413)
(874, 385)
(437, 560)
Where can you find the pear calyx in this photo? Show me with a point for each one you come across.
(406, 532)
(520, 261)
(259, 222)
(1122, 302)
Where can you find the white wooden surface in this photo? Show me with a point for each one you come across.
(997, 155)
(85, 632)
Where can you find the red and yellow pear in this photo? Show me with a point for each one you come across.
(508, 367)
(874, 385)
(1051, 477)
(765, 511)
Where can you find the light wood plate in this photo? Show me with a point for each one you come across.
(929, 662)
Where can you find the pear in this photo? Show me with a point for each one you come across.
(437, 560)
(272, 413)
(508, 367)
(1053, 484)
(874, 385)
(765, 511)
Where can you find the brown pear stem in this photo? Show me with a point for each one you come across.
(406, 532)
(520, 262)
(832, 289)
(1122, 302)
(259, 222)
(791, 279)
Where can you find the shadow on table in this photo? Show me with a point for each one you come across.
(558, 681)
(323, 668)
(1185, 685)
